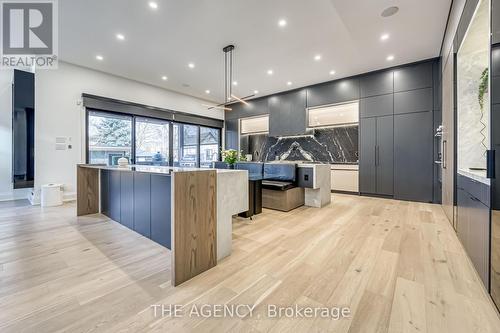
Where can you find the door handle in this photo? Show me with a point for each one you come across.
(444, 154)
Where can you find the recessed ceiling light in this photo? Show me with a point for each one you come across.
(270, 72)
(207, 91)
(255, 92)
(282, 23)
(164, 78)
(317, 57)
(120, 37)
(235, 83)
(153, 5)
(389, 11)
(332, 72)
(384, 37)
(99, 57)
(390, 58)
(289, 83)
(191, 65)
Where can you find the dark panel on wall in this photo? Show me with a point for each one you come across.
(495, 89)
(495, 15)
(160, 210)
(385, 155)
(413, 101)
(142, 203)
(231, 134)
(437, 188)
(114, 195)
(367, 155)
(333, 92)
(127, 199)
(495, 61)
(413, 150)
(436, 85)
(287, 114)
(413, 77)
(376, 106)
(377, 84)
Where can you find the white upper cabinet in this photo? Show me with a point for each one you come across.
(334, 115)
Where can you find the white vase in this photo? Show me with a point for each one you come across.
(122, 161)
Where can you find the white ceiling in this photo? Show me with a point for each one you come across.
(162, 42)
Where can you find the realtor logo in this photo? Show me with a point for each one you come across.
(29, 33)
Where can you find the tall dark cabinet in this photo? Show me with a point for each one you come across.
(376, 155)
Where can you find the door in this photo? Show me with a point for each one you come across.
(367, 152)
(384, 155)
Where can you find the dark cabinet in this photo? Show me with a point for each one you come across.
(376, 155)
(413, 77)
(473, 220)
(127, 199)
(382, 105)
(377, 84)
(160, 210)
(413, 156)
(413, 101)
(333, 92)
(114, 196)
(105, 192)
(287, 114)
(231, 133)
(142, 204)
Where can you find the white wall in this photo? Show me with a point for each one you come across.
(58, 113)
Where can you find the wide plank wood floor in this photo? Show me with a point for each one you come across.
(398, 265)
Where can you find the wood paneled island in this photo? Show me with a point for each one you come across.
(187, 210)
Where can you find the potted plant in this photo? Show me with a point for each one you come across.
(231, 156)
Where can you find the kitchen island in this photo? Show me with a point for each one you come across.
(187, 210)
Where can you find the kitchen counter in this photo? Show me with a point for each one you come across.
(188, 210)
(479, 175)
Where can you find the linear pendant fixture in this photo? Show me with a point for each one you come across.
(229, 96)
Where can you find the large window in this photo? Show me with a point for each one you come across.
(209, 146)
(185, 145)
(151, 141)
(109, 137)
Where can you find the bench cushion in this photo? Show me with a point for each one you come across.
(277, 185)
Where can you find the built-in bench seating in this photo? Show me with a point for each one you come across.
(279, 187)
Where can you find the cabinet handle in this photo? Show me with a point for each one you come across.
(474, 198)
(375, 154)
(378, 155)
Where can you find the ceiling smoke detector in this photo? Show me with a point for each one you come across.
(390, 11)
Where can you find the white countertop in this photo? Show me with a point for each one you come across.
(166, 170)
(479, 175)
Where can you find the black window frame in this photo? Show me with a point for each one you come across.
(133, 117)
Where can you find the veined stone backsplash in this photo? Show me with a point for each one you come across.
(324, 145)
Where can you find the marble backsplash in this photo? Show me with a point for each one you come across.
(322, 145)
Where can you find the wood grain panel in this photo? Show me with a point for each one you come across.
(194, 223)
(87, 191)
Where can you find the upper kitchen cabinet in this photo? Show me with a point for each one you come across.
(413, 77)
(287, 113)
(333, 92)
(377, 84)
(254, 107)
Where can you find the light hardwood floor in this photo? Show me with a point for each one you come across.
(398, 266)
